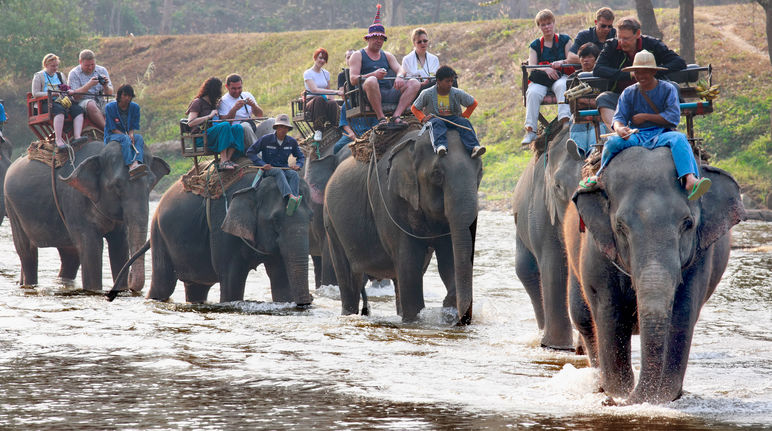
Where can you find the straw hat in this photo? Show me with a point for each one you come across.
(377, 28)
(643, 60)
(282, 120)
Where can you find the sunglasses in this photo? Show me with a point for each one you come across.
(422, 41)
(605, 25)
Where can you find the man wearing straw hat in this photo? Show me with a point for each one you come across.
(651, 106)
(276, 148)
(370, 65)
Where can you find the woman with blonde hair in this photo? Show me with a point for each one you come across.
(419, 63)
(51, 79)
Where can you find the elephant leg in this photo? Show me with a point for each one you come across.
(614, 314)
(396, 296)
(118, 252)
(410, 275)
(349, 282)
(317, 260)
(558, 332)
(281, 291)
(527, 271)
(28, 253)
(90, 249)
(233, 279)
(70, 263)
(365, 302)
(582, 318)
(164, 277)
(447, 270)
(328, 271)
(196, 293)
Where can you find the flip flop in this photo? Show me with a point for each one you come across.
(137, 171)
(292, 205)
(589, 182)
(700, 188)
(397, 123)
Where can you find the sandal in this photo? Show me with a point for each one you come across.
(700, 188)
(382, 122)
(589, 182)
(292, 204)
(137, 171)
(396, 123)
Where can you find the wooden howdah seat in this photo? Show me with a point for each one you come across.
(41, 121)
(549, 98)
(188, 144)
(303, 119)
(583, 108)
(356, 101)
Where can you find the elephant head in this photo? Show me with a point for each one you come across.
(562, 173)
(104, 179)
(641, 220)
(5, 162)
(258, 215)
(441, 191)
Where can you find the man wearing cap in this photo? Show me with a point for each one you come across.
(240, 105)
(619, 53)
(647, 114)
(369, 66)
(276, 148)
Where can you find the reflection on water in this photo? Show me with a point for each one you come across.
(72, 360)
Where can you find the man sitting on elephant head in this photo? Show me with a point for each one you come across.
(276, 148)
(652, 106)
(122, 120)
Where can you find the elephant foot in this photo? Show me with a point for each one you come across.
(569, 348)
(366, 311)
(303, 306)
(580, 350)
(609, 402)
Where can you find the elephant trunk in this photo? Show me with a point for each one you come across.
(463, 230)
(137, 233)
(655, 286)
(294, 250)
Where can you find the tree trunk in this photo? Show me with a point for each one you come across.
(686, 18)
(767, 5)
(166, 15)
(645, 11)
(437, 6)
(395, 13)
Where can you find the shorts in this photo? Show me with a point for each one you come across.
(607, 99)
(84, 102)
(390, 95)
(74, 110)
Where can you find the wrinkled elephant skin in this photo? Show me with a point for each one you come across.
(639, 222)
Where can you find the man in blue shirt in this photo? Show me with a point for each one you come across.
(121, 122)
(3, 119)
(652, 106)
(352, 129)
(276, 148)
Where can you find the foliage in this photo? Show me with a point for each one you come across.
(29, 29)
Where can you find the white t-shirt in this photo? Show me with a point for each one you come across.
(414, 69)
(321, 78)
(227, 102)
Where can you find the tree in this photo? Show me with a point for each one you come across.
(25, 43)
(686, 19)
(395, 13)
(645, 11)
(767, 5)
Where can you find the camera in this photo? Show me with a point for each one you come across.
(102, 79)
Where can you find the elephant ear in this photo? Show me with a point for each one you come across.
(85, 178)
(403, 178)
(721, 207)
(318, 173)
(160, 168)
(593, 208)
(241, 218)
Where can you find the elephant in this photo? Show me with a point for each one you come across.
(6, 150)
(647, 263)
(541, 198)
(221, 247)
(386, 218)
(318, 173)
(97, 199)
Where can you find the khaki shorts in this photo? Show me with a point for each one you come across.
(84, 102)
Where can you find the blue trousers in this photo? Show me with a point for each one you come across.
(440, 128)
(651, 138)
(342, 142)
(584, 136)
(222, 136)
(129, 155)
(287, 180)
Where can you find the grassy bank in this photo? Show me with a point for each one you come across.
(167, 70)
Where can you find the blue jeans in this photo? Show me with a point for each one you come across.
(287, 180)
(651, 138)
(342, 142)
(440, 128)
(129, 155)
(584, 136)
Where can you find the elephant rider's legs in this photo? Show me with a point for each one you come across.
(288, 183)
(341, 143)
(408, 94)
(440, 128)
(133, 153)
(607, 104)
(59, 112)
(94, 112)
(249, 134)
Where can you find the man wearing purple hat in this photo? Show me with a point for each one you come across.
(369, 66)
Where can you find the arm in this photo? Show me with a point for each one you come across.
(418, 113)
(314, 89)
(108, 90)
(300, 158)
(666, 57)
(607, 64)
(469, 109)
(394, 65)
(194, 119)
(355, 67)
(111, 114)
(253, 151)
(533, 60)
(38, 86)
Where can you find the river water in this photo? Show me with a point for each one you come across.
(71, 361)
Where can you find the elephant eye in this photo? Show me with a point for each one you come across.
(437, 176)
(687, 224)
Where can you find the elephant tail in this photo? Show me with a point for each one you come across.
(125, 270)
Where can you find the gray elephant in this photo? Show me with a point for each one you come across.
(203, 249)
(541, 198)
(5, 162)
(648, 261)
(385, 220)
(97, 200)
(318, 173)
